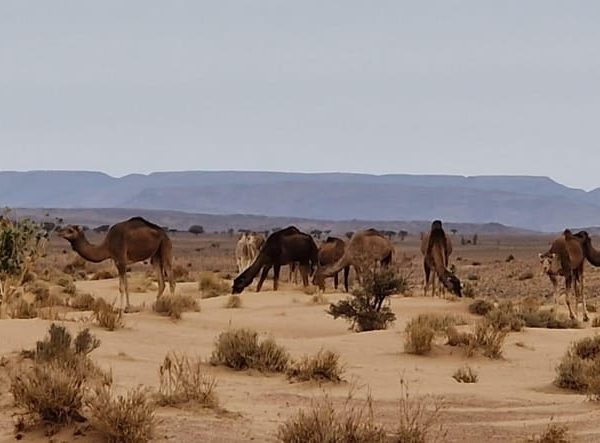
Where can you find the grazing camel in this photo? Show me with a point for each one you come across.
(281, 248)
(127, 242)
(330, 251)
(436, 248)
(566, 257)
(363, 250)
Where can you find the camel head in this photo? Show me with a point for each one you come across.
(240, 283)
(549, 263)
(454, 285)
(319, 279)
(71, 232)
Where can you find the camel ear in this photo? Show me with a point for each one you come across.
(540, 255)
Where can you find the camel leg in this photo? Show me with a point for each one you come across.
(263, 277)
(276, 269)
(161, 277)
(583, 302)
(427, 271)
(567, 296)
(123, 287)
(336, 280)
(556, 292)
(346, 275)
(304, 271)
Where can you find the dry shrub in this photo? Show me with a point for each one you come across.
(240, 349)
(66, 282)
(505, 317)
(420, 331)
(103, 275)
(175, 305)
(465, 375)
(480, 307)
(489, 339)
(579, 369)
(40, 291)
(77, 267)
(525, 275)
(82, 302)
(530, 303)
(554, 434)
(181, 274)
(591, 307)
(596, 322)
(319, 299)
(211, 285)
(364, 309)
(49, 391)
(127, 418)
(548, 319)
(107, 315)
(233, 302)
(418, 418)
(324, 366)
(457, 338)
(472, 277)
(323, 424)
(182, 380)
(21, 309)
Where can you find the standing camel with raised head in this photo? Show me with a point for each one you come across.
(127, 242)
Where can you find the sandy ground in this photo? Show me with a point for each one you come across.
(513, 399)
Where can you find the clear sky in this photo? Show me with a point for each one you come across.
(455, 87)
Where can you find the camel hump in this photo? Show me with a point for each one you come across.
(437, 235)
(141, 220)
(436, 224)
(332, 240)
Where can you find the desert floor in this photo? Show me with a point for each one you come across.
(513, 400)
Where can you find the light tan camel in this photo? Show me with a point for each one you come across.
(364, 249)
(437, 248)
(330, 251)
(566, 257)
(242, 253)
(127, 242)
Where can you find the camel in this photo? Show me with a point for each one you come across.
(247, 249)
(127, 242)
(363, 250)
(437, 248)
(566, 257)
(281, 248)
(330, 251)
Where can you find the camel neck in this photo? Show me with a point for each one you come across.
(592, 254)
(93, 253)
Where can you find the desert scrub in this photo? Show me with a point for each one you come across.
(421, 330)
(127, 418)
(323, 423)
(21, 309)
(548, 319)
(365, 309)
(596, 322)
(107, 315)
(82, 302)
(480, 307)
(66, 282)
(240, 349)
(233, 302)
(579, 369)
(505, 317)
(175, 305)
(183, 380)
(489, 339)
(211, 285)
(323, 366)
(465, 375)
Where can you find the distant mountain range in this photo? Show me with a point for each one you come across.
(535, 203)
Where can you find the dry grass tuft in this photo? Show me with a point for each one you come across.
(127, 418)
(103, 275)
(240, 349)
(480, 307)
(324, 366)
(182, 380)
(175, 305)
(82, 302)
(554, 434)
(596, 322)
(211, 285)
(505, 317)
(465, 375)
(319, 299)
(579, 369)
(233, 302)
(68, 285)
(21, 309)
(322, 423)
(549, 319)
(107, 315)
(489, 339)
(421, 330)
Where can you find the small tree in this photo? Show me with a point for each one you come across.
(365, 309)
(475, 239)
(22, 242)
(454, 231)
(402, 235)
(196, 229)
(349, 234)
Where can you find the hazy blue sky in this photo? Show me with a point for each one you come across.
(457, 87)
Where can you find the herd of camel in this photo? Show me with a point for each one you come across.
(137, 240)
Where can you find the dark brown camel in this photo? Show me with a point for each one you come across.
(330, 251)
(283, 247)
(566, 257)
(127, 242)
(436, 248)
(363, 250)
